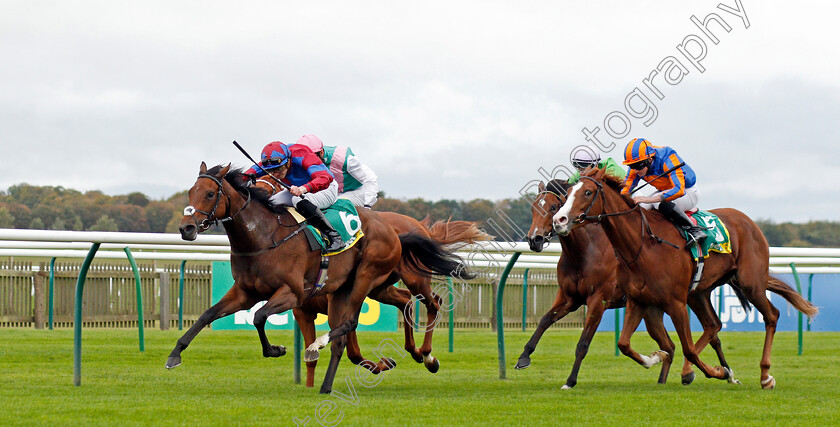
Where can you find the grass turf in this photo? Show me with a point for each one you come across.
(225, 380)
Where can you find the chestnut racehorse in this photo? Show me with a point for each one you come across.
(587, 274)
(659, 275)
(444, 233)
(271, 260)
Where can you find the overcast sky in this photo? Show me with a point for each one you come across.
(449, 99)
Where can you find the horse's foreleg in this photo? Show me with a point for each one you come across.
(306, 322)
(656, 330)
(595, 311)
(354, 353)
(234, 300)
(562, 306)
(283, 299)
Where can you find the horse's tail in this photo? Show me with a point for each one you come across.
(428, 257)
(449, 232)
(781, 288)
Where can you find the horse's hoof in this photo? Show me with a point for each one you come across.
(274, 351)
(325, 391)
(389, 363)
(173, 362)
(566, 387)
(311, 355)
(433, 366)
(688, 378)
(416, 356)
(769, 383)
(523, 363)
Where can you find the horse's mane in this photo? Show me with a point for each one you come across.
(237, 178)
(611, 181)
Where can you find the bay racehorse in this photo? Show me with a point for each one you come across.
(445, 233)
(587, 275)
(659, 275)
(271, 261)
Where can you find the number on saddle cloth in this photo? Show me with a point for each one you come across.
(344, 218)
(717, 239)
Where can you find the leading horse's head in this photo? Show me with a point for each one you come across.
(585, 201)
(547, 203)
(208, 202)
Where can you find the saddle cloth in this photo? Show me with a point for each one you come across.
(344, 218)
(717, 239)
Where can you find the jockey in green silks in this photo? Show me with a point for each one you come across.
(585, 157)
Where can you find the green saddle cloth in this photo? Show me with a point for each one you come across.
(717, 239)
(344, 218)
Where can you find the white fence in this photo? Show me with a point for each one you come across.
(156, 246)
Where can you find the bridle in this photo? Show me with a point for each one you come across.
(211, 218)
(646, 229)
(551, 233)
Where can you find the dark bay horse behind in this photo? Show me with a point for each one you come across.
(586, 276)
(658, 275)
(271, 260)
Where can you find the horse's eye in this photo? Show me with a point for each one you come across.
(210, 194)
(587, 192)
(554, 208)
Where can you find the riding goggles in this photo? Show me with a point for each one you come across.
(580, 165)
(274, 162)
(639, 165)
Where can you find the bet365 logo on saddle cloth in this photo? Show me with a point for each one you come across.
(344, 217)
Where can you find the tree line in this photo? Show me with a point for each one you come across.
(27, 206)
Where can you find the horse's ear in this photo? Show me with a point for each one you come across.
(542, 186)
(224, 170)
(203, 169)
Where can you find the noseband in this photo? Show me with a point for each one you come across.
(211, 219)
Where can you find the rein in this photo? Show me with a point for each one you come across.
(645, 225)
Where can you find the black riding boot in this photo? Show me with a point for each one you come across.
(680, 219)
(316, 218)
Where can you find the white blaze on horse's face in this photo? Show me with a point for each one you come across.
(561, 218)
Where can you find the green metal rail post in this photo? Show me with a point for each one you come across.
(451, 316)
(77, 315)
(52, 292)
(181, 298)
(525, 298)
(500, 323)
(810, 287)
(139, 289)
(798, 289)
(297, 347)
(617, 328)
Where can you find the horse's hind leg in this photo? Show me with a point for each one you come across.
(679, 315)
(701, 304)
(632, 318)
(563, 305)
(756, 295)
(283, 299)
(234, 300)
(656, 330)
